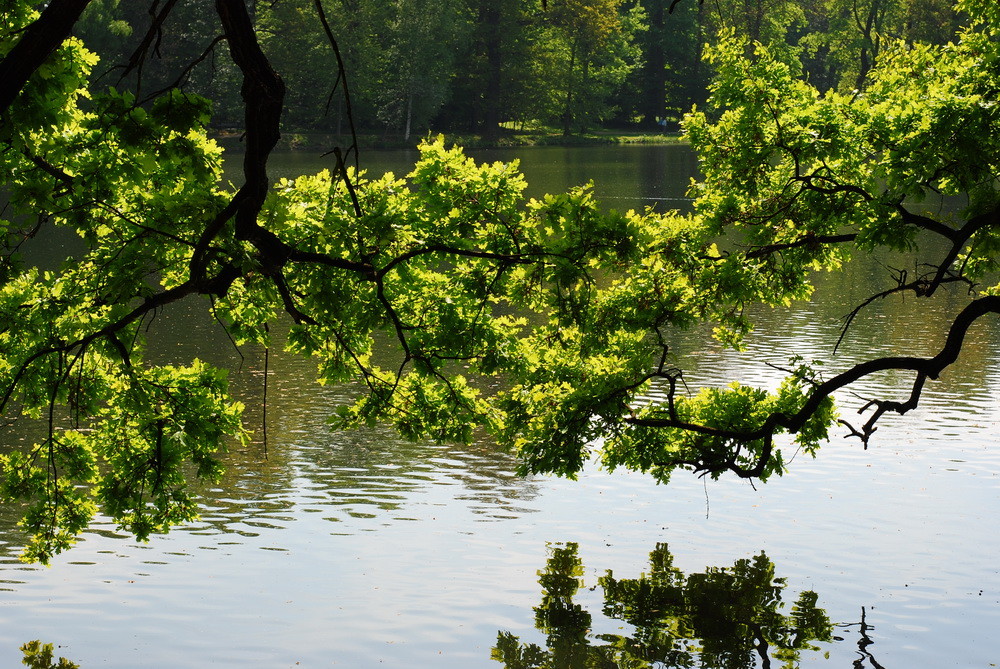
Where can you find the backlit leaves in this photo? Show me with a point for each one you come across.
(451, 302)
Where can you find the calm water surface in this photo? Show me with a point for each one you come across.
(359, 550)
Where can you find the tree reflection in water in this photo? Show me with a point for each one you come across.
(38, 655)
(864, 641)
(725, 617)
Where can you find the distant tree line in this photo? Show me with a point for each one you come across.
(479, 66)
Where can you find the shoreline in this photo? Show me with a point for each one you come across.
(315, 141)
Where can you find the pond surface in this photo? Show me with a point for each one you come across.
(360, 550)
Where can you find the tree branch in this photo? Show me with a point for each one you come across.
(451, 250)
(925, 368)
(810, 240)
(109, 331)
(38, 42)
(153, 34)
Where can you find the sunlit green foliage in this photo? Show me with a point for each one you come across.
(455, 304)
(120, 433)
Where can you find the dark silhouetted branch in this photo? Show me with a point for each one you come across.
(42, 37)
(924, 368)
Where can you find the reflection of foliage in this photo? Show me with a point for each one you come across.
(564, 622)
(38, 655)
(723, 617)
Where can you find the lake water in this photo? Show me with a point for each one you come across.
(360, 550)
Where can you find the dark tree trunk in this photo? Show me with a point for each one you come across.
(489, 14)
(655, 93)
(37, 42)
(567, 115)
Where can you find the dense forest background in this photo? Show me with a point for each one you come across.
(490, 66)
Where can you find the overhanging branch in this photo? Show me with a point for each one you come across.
(923, 368)
(37, 43)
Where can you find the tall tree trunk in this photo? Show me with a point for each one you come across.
(567, 115)
(490, 17)
(409, 115)
(655, 95)
(753, 11)
(868, 48)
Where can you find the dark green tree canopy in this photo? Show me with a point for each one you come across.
(544, 322)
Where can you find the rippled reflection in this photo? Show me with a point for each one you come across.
(722, 618)
(360, 474)
(342, 476)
